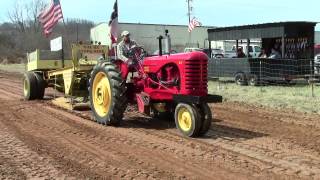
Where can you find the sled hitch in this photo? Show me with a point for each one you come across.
(197, 99)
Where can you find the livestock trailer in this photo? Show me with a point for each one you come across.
(292, 42)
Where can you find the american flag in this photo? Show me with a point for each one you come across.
(193, 24)
(113, 24)
(51, 16)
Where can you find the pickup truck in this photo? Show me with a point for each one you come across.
(254, 51)
(215, 53)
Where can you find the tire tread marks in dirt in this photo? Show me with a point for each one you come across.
(155, 150)
(23, 159)
(273, 161)
(149, 157)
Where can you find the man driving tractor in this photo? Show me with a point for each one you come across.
(124, 46)
(123, 49)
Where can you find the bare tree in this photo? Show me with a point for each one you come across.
(25, 15)
(22, 34)
(17, 16)
(33, 10)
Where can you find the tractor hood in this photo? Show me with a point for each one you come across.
(155, 63)
(180, 56)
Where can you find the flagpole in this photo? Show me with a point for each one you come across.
(113, 29)
(115, 51)
(66, 33)
(68, 42)
(189, 16)
(189, 10)
(115, 46)
(48, 22)
(65, 29)
(189, 41)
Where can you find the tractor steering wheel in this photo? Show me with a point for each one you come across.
(136, 53)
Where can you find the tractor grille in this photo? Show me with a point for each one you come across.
(196, 75)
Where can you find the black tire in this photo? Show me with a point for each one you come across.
(218, 56)
(29, 86)
(196, 122)
(240, 79)
(41, 86)
(290, 82)
(206, 117)
(254, 80)
(117, 87)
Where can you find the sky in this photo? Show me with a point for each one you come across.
(220, 13)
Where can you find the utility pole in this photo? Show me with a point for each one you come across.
(77, 32)
(189, 9)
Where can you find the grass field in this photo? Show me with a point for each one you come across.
(16, 68)
(294, 97)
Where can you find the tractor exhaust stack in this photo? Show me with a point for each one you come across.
(160, 45)
(167, 42)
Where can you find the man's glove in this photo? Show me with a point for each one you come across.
(129, 62)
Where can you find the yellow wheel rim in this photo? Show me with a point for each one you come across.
(25, 87)
(185, 119)
(101, 94)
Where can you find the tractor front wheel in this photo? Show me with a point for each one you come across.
(107, 94)
(188, 119)
(206, 117)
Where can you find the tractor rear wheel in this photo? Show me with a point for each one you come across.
(107, 94)
(30, 86)
(188, 119)
(206, 117)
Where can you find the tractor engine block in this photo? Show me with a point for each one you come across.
(169, 75)
(184, 74)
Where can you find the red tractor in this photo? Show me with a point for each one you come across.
(165, 85)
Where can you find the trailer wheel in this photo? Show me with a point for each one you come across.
(41, 86)
(240, 79)
(188, 120)
(254, 80)
(107, 94)
(29, 86)
(206, 117)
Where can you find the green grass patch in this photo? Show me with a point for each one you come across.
(297, 97)
(16, 68)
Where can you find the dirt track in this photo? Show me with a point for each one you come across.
(38, 140)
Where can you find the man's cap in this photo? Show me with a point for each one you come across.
(125, 33)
